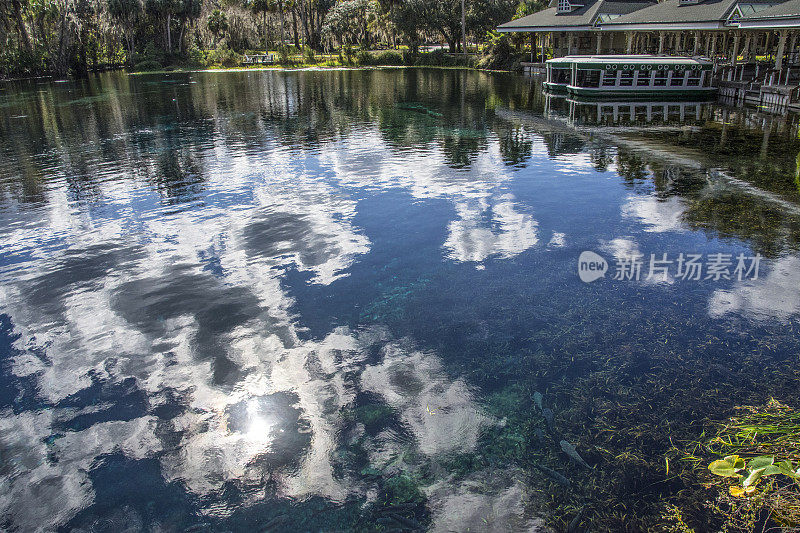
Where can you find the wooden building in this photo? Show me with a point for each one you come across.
(754, 44)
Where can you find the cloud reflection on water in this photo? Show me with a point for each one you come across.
(215, 343)
(150, 294)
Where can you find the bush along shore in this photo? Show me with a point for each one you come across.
(72, 38)
(498, 53)
(228, 59)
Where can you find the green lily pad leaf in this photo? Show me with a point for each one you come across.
(727, 467)
(736, 461)
(723, 468)
(786, 468)
(760, 462)
(752, 477)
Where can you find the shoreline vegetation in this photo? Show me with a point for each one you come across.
(499, 56)
(72, 38)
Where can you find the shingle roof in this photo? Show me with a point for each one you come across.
(581, 17)
(549, 18)
(671, 12)
(786, 9)
(617, 7)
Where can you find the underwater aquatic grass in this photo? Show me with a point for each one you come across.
(756, 484)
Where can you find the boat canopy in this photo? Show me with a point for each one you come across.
(633, 62)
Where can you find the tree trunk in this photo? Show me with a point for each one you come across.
(131, 50)
(280, 16)
(81, 65)
(61, 63)
(266, 30)
(169, 32)
(23, 30)
(304, 23)
(294, 28)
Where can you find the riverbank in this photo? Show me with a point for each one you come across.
(492, 57)
(228, 60)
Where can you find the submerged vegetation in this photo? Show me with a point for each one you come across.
(755, 486)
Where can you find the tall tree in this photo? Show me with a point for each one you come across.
(349, 21)
(163, 10)
(217, 24)
(263, 8)
(126, 13)
(16, 8)
(188, 11)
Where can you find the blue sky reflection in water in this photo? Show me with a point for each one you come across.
(258, 299)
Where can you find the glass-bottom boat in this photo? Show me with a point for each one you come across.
(630, 77)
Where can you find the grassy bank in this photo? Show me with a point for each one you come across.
(496, 54)
(227, 59)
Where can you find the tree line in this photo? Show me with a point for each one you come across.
(72, 37)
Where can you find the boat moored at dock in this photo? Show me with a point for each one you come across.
(615, 76)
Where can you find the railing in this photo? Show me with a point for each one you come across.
(260, 59)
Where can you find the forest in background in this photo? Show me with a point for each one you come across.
(74, 37)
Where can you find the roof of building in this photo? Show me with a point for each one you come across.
(785, 10)
(672, 12)
(632, 59)
(583, 16)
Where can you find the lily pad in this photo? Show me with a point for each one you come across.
(752, 477)
(738, 491)
(760, 462)
(727, 467)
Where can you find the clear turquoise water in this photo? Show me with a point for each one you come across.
(284, 301)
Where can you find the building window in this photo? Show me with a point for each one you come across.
(564, 6)
(688, 2)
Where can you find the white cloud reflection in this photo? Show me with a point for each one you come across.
(190, 304)
(774, 296)
(655, 214)
(489, 221)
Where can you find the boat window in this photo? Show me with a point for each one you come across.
(588, 78)
(657, 112)
(660, 78)
(677, 78)
(674, 112)
(561, 75)
(640, 112)
(626, 78)
(643, 79)
(609, 77)
(693, 79)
